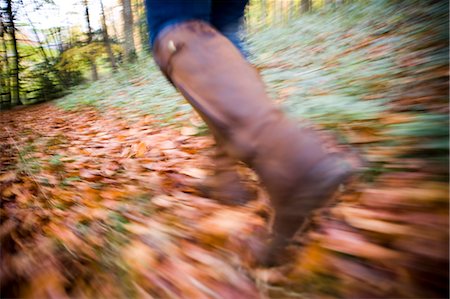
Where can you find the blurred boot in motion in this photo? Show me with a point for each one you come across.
(230, 96)
(226, 186)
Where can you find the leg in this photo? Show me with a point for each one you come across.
(209, 71)
(162, 13)
(226, 185)
(228, 16)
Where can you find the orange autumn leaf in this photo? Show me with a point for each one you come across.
(141, 150)
(8, 176)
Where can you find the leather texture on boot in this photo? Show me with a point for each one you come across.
(226, 186)
(229, 94)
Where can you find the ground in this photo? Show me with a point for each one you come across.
(97, 188)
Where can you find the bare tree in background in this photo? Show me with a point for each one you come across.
(89, 41)
(305, 6)
(5, 70)
(141, 24)
(130, 50)
(15, 84)
(106, 40)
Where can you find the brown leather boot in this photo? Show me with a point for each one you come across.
(229, 94)
(226, 186)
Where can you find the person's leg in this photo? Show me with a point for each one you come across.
(226, 185)
(163, 13)
(299, 175)
(228, 17)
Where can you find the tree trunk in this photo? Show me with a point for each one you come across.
(115, 32)
(291, 9)
(141, 25)
(106, 41)
(58, 39)
(305, 6)
(15, 86)
(5, 71)
(89, 40)
(130, 50)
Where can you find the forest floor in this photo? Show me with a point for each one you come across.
(97, 196)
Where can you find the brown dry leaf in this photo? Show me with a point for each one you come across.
(141, 149)
(110, 168)
(379, 226)
(112, 193)
(90, 196)
(219, 226)
(353, 244)
(195, 172)
(271, 276)
(163, 201)
(363, 219)
(90, 175)
(189, 131)
(131, 165)
(165, 145)
(121, 137)
(196, 120)
(48, 283)
(64, 234)
(8, 191)
(8, 176)
(137, 229)
(24, 196)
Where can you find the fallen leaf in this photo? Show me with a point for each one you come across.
(141, 150)
(189, 131)
(8, 177)
(195, 172)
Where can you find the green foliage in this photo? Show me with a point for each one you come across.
(136, 89)
(78, 58)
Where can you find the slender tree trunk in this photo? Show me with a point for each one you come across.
(278, 6)
(15, 86)
(141, 25)
(58, 40)
(55, 34)
(89, 40)
(115, 32)
(106, 41)
(291, 9)
(130, 50)
(305, 6)
(5, 71)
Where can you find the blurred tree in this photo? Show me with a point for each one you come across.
(51, 78)
(115, 32)
(127, 14)
(5, 70)
(106, 40)
(11, 29)
(305, 6)
(141, 24)
(263, 11)
(89, 41)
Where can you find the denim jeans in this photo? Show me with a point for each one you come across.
(225, 15)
